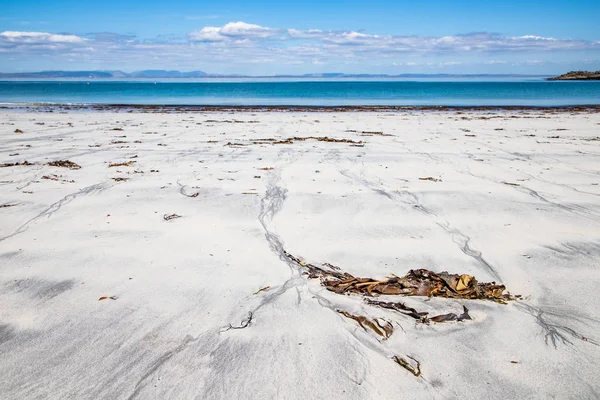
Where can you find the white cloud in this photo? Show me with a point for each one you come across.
(233, 30)
(242, 29)
(478, 42)
(236, 45)
(533, 37)
(341, 38)
(354, 38)
(38, 37)
(207, 34)
(311, 33)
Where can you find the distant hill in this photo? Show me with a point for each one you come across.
(156, 73)
(161, 73)
(409, 76)
(577, 76)
(342, 75)
(59, 74)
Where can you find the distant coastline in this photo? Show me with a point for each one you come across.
(174, 74)
(577, 76)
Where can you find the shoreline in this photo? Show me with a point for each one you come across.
(171, 108)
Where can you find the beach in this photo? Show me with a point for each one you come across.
(171, 252)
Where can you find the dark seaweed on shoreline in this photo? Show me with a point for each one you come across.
(419, 282)
(589, 108)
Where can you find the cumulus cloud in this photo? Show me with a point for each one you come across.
(207, 34)
(232, 31)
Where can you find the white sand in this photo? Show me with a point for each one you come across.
(181, 283)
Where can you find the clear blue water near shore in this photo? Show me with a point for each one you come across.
(533, 92)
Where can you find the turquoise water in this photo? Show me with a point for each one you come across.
(274, 92)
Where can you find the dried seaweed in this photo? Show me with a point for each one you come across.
(430, 178)
(168, 217)
(18, 131)
(317, 138)
(262, 289)
(64, 164)
(379, 326)
(119, 179)
(400, 307)
(56, 178)
(367, 133)
(107, 298)
(452, 317)
(422, 282)
(415, 370)
(419, 282)
(243, 324)
(121, 164)
(422, 317)
(317, 272)
(24, 163)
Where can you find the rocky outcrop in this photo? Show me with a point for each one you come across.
(577, 76)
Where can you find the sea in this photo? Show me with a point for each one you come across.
(535, 92)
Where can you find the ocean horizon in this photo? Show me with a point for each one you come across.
(524, 91)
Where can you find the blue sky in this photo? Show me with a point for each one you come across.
(275, 37)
